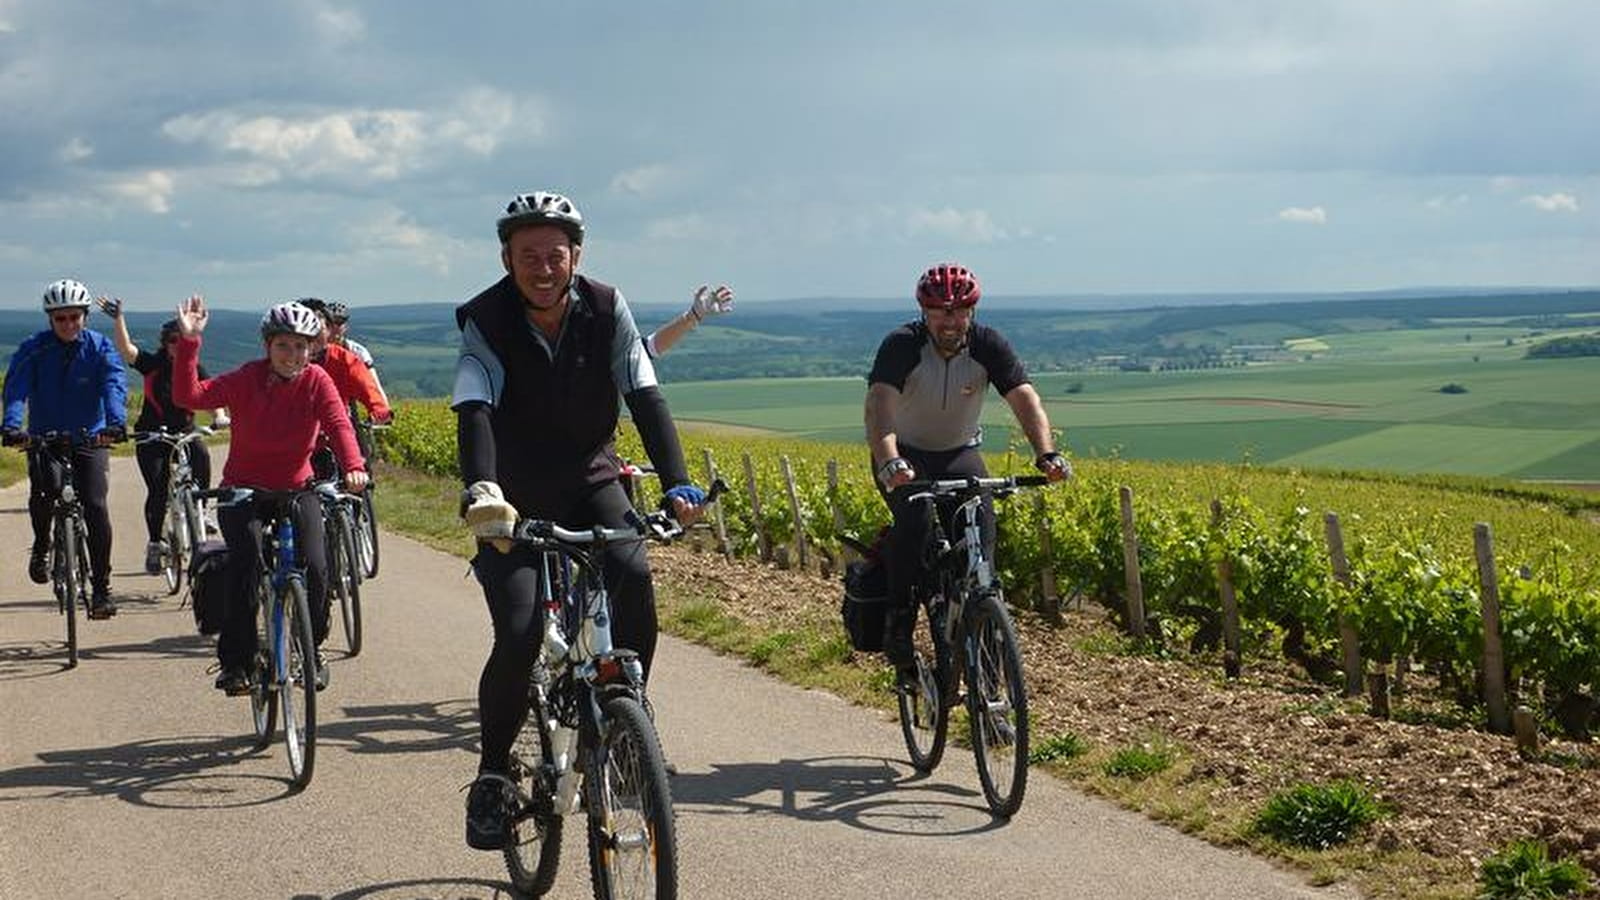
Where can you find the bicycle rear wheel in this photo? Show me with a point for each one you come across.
(345, 574)
(534, 853)
(924, 717)
(173, 559)
(997, 704)
(633, 844)
(297, 683)
(64, 568)
(367, 534)
(263, 692)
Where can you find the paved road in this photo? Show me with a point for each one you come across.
(130, 777)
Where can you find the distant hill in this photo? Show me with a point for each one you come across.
(416, 343)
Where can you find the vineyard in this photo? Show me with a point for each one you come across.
(1411, 598)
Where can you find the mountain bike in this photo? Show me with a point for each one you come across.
(69, 533)
(365, 513)
(589, 741)
(969, 637)
(339, 513)
(284, 672)
(185, 526)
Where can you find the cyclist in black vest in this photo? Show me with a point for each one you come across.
(924, 396)
(156, 412)
(545, 352)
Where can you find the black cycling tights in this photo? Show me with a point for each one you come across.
(91, 478)
(153, 466)
(510, 583)
(911, 520)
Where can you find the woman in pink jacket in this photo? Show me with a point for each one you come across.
(280, 404)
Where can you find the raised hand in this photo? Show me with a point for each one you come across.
(111, 306)
(709, 302)
(192, 316)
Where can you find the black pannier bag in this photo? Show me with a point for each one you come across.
(207, 586)
(866, 599)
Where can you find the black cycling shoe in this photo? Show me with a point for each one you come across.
(39, 564)
(490, 805)
(234, 681)
(101, 606)
(154, 552)
(322, 671)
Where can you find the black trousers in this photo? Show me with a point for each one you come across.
(152, 458)
(91, 479)
(904, 558)
(510, 587)
(241, 529)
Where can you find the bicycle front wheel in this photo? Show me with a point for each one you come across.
(64, 568)
(297, 683)
(367, 534)
(924, 717)
(344, 572)
(534, 853)
(172, 560)
(633, 844)
(997, 704)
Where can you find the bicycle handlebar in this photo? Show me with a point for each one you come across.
(656, 526)
(24, 441)
(172, 437)
(970, 484)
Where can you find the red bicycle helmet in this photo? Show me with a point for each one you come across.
(948, 286)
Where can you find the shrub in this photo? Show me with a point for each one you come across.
(1139, 762)
(1524, 871)
(1061, 746)
(1453, 388)
(1318, 816)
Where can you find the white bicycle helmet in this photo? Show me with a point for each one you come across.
(290, 318)
(541, 208)
(66, 294)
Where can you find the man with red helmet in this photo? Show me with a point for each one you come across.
(924, 396)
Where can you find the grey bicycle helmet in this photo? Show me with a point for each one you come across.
(290, 318)
(66, 294)
(541, 208)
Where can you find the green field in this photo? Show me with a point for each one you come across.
(1372, 400)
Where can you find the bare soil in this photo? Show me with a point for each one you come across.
(1455, 795)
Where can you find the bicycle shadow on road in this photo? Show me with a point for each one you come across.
(166, 773)
(866, 792)
(404, 727)
(21, 660)
(422, 889)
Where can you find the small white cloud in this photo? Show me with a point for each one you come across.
(691, 227)
(1445, 201)
(75, 150)
(1502, 184)
(974, 226)
(641, 181)
(151, 190)
(1301, 215)
(338, 26)
(395, 233)
(6, 27)
(1557, 202)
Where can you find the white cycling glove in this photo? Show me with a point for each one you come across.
(489, 516)
(708, 302)
(111, 306)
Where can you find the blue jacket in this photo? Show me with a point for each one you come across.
(77, 387)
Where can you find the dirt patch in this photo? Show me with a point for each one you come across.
(1455, 795)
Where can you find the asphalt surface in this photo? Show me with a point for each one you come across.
(131, 777)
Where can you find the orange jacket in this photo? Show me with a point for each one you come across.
(354, 381)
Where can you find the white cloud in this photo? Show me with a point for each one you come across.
(1445, 201)
(150, 190)
(395, 232)
(642, 180)
(338, 26)
(376, 144)
(1301, 215)
(75, 150)
(1557, 202)
(690, 227)
(1502, 184)
(973, 226)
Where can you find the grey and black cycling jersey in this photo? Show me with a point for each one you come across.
(481, 377)
(940, 400)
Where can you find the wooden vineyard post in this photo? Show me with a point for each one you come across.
(1348, 641)
(846, 554)
(1494, 662)
(717, 518)
(1230, 604)
(762, 544)
(1049, 600)
(794, 507)
(1130, 564)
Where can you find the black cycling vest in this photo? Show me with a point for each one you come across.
(555, 422)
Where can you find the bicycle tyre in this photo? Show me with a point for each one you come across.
(924, 716)
(172, 562)
(633, 845)
(297, 684)
(997, 704)
(534, 854)
(263, 693)
(367, 534)
(345, 577)
(64, 568)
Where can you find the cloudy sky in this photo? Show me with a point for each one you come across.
(361, 150)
